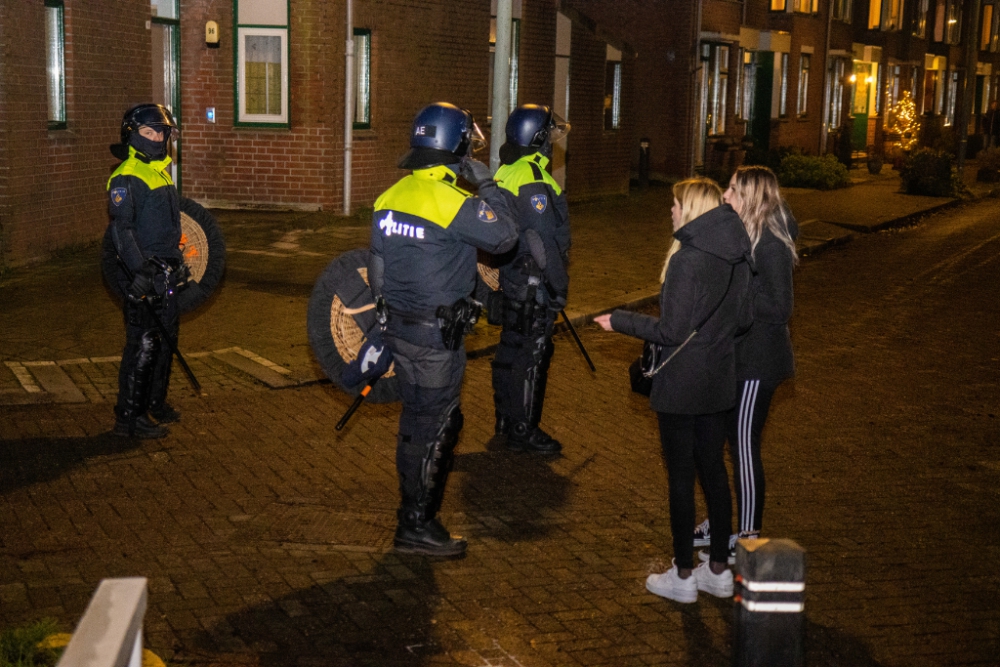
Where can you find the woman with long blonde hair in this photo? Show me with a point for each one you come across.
(706, 277)
(764, 357)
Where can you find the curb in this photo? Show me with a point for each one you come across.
(903, 221)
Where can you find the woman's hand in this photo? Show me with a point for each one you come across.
(604, 321)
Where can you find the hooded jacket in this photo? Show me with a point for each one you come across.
(712, 268)
(765, 352)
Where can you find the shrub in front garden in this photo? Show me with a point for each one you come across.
(808, 171)
(929, 172)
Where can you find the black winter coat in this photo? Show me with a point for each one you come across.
(714, 256)
(765, 352)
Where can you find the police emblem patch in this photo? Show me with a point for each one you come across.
(485, 213)
(539, 203)
(118, 196)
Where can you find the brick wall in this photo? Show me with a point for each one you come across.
(52, 183)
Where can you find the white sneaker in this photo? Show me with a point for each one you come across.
(703, 534)
(670, 585)
(719, 585)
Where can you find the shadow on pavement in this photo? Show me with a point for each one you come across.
(512, 488)
(830, 647)
(33, 460)
(383, 617)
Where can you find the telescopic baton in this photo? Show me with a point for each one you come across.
(579, 342)
(163, 330)
(356, 404)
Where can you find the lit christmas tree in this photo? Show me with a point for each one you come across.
(905, 122)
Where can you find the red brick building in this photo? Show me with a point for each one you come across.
(262, 111)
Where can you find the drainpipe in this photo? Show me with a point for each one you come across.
(695, 87)
(348, 105)
(824, 133)
(501, 82)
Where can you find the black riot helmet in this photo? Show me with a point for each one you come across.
(155, 116)
(441, 134)
(531, 128)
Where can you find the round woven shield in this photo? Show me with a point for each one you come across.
(341, 310)
(204, 250)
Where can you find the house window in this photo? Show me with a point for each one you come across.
(953, 24)
(803, 105)
(985, 41)
(746, 83)
(885, 14)
(362, 79)
(55, 64)
(805, 6)
(515, 49)
(717, 66)
(920, 20)
(262, 63)
(778, 5)
(838, 73)
(894, 85)
(612, 89)
(952, 97)
(783, 94)
(842, 10)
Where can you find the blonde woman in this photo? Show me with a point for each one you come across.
(705, 282)
(764, 356)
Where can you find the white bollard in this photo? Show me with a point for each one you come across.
(110, 632)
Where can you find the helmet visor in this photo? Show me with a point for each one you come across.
(560, 128)
(477, 142)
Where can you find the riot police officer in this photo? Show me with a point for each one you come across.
(422, 271)
(534, 288)
(145, 221)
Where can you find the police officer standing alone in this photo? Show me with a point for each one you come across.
(422, 272)
(533, 291)
(145, 221)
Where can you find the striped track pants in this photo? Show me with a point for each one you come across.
(745, 425)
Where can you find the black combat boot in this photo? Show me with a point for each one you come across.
(140, 427)
(416, 534)
(525, 438)
(164, 413)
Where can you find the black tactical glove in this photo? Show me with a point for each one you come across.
(143, 281)
(182, 274)
(558, 302)
(474, 171)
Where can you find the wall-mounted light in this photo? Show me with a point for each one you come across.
(210, 114)
(212, 34)
(854, 77)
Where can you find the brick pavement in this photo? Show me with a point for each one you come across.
(265, 533)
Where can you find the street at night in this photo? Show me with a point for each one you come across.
(266, 535)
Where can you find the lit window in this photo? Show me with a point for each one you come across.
(55, 65)
(920, 20)
(987, 27)
(953, 24)
(612, 89)
(803, 105)
(805, 6)
(885, 14)
(842, 10)
(718, 88)
(262, 62)
(778, 5)
(783, 99)
(362, 79)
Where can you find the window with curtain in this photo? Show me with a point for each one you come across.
(920, 19)
(362, 79)
(55, 64)
(783, 94)
(842, 10)
(612, 88)
(805, 6)
(262, 81)
(803, 100)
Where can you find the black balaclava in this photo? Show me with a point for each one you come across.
(154, 150)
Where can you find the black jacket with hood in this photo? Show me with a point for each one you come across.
(714, 256)
(765, 352)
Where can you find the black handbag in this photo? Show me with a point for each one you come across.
(642, 370)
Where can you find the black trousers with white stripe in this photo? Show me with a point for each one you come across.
(744, 429)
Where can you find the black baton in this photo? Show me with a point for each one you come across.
(356, 404)
(579, 342)
(163, 330)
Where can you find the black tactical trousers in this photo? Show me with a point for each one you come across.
(430, 382)
(144, 373)
(521, 366)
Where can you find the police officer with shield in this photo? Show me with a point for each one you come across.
(145, 221)
(534, 287)
(422, 272)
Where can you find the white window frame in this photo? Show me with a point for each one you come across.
(362, 79)
(805, 63)
(613, 68)
(242, 117)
